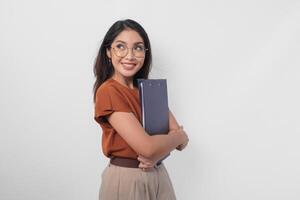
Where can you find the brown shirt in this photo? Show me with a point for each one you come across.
(113, 96)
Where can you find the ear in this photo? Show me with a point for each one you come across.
(108, 53)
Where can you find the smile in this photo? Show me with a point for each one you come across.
(128, 66)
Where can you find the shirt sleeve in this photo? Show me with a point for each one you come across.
(109, 100)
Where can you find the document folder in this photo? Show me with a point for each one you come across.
(154, 106)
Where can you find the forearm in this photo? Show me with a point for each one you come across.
(161, 145)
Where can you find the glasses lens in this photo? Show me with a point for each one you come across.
(121, 50)
(139, 51)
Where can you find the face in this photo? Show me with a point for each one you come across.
(128, 62)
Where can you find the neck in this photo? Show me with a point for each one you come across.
(128, 82)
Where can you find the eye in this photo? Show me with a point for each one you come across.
(120, 46)
(139, 48)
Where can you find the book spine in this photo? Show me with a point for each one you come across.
(142, 103)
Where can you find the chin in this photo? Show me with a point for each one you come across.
(128, 74)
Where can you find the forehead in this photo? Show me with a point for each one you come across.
(129, 36)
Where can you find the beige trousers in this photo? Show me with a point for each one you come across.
(122, 183)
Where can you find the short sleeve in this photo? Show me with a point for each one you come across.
(108, 100)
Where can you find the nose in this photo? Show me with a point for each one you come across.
(130, 55)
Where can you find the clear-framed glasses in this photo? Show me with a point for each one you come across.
(121, 50)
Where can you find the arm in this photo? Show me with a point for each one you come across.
(152, 147)
(173, 125)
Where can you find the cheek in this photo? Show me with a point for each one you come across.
(115, 60)
(142, 62)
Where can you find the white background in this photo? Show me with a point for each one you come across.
(233, 79)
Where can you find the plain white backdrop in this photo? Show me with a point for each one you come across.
(233, 82)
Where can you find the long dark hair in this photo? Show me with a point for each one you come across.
(103, 69)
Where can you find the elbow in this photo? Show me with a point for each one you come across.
(148, 149)
(148, 152)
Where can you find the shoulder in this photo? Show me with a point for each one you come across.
(109, 98)
(109, 89)
(106, 87)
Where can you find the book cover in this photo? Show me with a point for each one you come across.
(154, 106)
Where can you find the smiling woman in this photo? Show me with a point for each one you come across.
(127, 61)
(132, 173)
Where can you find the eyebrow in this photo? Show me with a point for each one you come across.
(126, 43)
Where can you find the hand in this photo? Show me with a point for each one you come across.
(146, 163)
(181, 147)
(176, 131)
(186, 139)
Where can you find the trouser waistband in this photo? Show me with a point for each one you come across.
(126, 162)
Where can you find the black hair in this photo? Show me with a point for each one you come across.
(102, 66)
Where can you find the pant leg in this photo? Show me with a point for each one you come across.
(165, 189)
(122, 183)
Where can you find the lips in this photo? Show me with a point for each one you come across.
(128, 66)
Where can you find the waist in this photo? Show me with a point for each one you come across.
(126, 162)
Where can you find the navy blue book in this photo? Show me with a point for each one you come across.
(154, 106)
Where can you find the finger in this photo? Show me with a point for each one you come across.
(148, 163)
(144, 160)
(143, 166)
(140, 159)
(179, 147)
(147, 160)
(183, 146)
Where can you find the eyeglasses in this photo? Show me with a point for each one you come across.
(121, 50)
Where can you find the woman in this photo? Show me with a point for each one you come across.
(133, 172)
